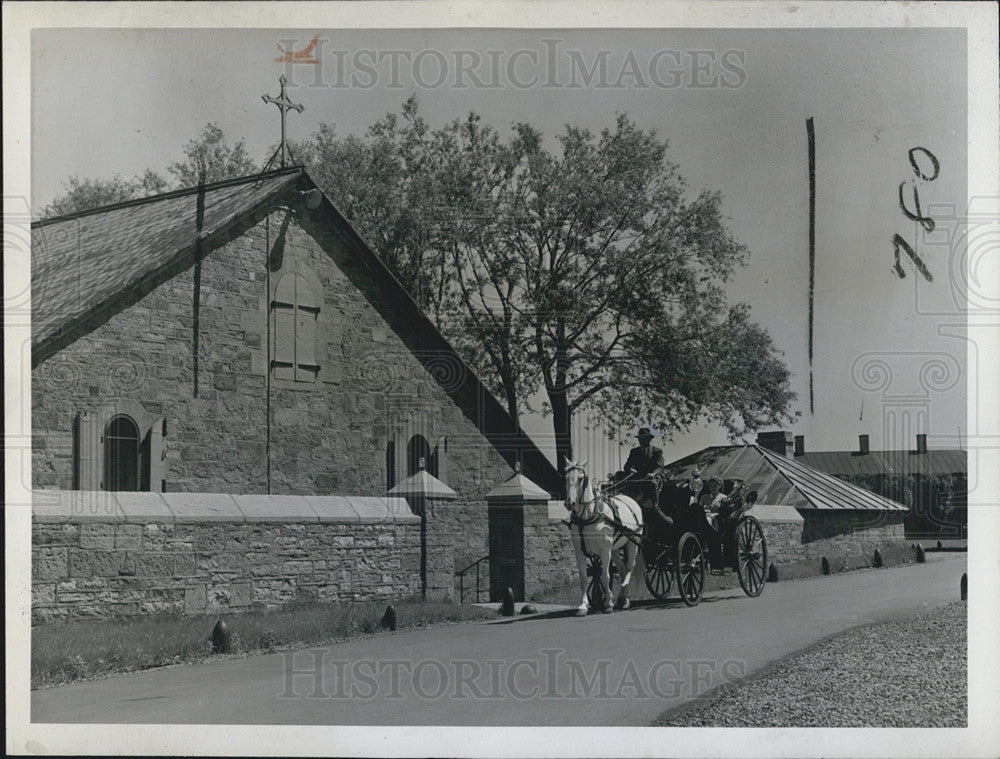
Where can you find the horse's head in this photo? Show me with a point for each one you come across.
(578, 490)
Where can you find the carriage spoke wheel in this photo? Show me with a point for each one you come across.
(658, 573)
(690, 568)
(751, 556)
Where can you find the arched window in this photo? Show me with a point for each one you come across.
(295, 309)
(121, 454)
(418, 448)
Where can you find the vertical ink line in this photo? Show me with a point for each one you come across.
(812, 246)
(196, 305)
(267, 364)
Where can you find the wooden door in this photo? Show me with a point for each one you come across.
(506, 543)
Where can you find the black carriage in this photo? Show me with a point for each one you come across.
(678, 542)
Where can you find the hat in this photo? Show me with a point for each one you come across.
(644, 433)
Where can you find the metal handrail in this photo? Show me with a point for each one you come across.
(460, 574)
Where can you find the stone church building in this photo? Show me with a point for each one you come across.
(241, 338)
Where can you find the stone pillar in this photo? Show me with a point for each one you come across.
(427, 495)
(518, 536)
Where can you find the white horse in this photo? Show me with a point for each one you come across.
(594, 529)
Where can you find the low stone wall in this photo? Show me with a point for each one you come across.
(846, 538)
(546, 537)
(782, 530)
(115, 554)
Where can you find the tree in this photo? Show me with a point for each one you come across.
(84, 194)
(210, 152)
(384, 184)
(588, 271)
(619, 281)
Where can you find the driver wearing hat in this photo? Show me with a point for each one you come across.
(645, 458)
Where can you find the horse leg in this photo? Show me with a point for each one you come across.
(581, 565)
(609, 600)
(631, 553)
(616, 557)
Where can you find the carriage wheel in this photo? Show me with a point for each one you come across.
(690, 569)
(658, 573)
(751, 556)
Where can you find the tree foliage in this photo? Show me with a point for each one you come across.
(385, 184)
(83, 194)
(586, 271)
(209, 151)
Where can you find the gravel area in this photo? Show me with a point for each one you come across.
(904, 673)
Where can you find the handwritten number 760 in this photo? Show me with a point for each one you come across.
(899, 244)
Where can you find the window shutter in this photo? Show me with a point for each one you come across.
(306, 311)
(157, 456)
(296, 311)
(88, 447)
(284, 328)
(284, 342)
(305, 346)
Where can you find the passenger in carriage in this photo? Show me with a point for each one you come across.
(713, 502)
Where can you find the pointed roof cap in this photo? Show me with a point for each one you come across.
(424, 485)
(518, 489)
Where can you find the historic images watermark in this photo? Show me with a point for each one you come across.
(315, 674)
(548, 64)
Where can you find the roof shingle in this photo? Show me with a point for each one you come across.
(81, 262)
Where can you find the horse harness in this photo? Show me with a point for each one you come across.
(616, 523)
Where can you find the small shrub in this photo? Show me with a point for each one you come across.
(825, 566)
(772, 573)
(921, 558)
(877, 559)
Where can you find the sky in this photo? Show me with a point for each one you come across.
(889, 353)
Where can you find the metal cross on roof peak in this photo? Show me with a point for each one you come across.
(284, 104)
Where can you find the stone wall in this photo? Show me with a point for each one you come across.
(118, 554)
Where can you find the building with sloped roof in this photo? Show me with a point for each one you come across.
(932, 482)
(807, 513)
(241, 338)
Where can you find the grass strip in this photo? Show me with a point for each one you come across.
(63, 652)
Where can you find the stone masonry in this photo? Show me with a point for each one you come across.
(103, 554)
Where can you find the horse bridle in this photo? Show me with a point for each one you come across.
(579, 520)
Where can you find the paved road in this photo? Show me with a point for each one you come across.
(618, 669)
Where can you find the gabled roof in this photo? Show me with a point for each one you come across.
(779, 480)
(80, 263)
(86, 265)
(935, 461)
